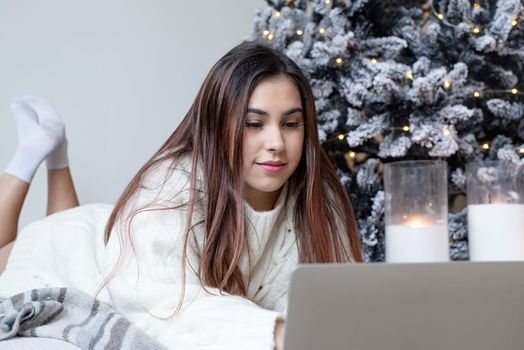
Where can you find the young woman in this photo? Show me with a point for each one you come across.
(199, 249)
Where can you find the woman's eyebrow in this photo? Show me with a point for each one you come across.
(264, 113)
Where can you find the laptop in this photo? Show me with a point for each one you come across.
(419, 306)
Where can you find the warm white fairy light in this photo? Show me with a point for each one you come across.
(514, 91)
(521, 150)
(266, 32)
(277, 14)
(485, 146)
(447, 84)
(351, 154)
(270, 37)
(341, 137)
(322, 30)
(446, 132)
(374, 60)
(328, 2)
(440, 16)
(409, 75)
(476, 94)
(339, 60)
(299, 32)
(405, 128)
(476, 5)
(514, 22)
(476, 30)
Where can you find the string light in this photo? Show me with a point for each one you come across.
(341, 137)
(351, 154)
(514, 22)
(476, 5)
(270, 37)
(339, 60)
(426, 13)
(405, 128)
(476, 30)
(446, 132)
(328, 2)
(479, 93)
(300, 32)
(374, 60)
(441, 16)
(409, 75)
(485, 146)
(266, 32)
(277, 14)
(521, 150)
(322, 30)
(447, 84)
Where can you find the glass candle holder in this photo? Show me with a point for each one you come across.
(495, 193)
(416, 211)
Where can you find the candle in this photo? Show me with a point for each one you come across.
(496, 232)
(416, 211)
(495, 211)
(417, 239)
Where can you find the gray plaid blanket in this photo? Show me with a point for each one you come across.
(72, 316)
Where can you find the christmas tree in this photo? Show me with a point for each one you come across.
(402, 80)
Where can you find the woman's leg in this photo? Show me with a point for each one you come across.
(4, 255)
(61, 194)
(13, 192)
(41, 136)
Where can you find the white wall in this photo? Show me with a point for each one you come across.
(122, 74)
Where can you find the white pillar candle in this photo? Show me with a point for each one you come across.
(417, 241)
(496, 232)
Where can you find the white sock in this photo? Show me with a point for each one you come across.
(49, 118)
(41, 134)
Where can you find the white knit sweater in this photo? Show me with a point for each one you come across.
(67, 249)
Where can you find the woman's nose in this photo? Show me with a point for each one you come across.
(274, 140)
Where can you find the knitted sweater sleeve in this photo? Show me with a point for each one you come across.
(148, 285)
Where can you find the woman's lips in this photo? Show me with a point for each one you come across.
(273, 167)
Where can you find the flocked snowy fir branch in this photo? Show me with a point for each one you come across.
(398, 80)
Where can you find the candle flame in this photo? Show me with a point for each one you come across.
(418, 221)
(497, 199)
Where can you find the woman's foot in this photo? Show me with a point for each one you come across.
(41, 135)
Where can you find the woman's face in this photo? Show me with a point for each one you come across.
(273, 140)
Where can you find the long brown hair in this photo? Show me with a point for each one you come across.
(211, 135)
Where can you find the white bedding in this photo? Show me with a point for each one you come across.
(20, 343)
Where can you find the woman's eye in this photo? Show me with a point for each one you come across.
(292, 124)
(254, 125)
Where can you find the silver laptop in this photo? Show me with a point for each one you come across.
(433, 306)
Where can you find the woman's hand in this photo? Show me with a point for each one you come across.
(279, 335)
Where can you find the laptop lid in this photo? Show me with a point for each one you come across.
(430, 306)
